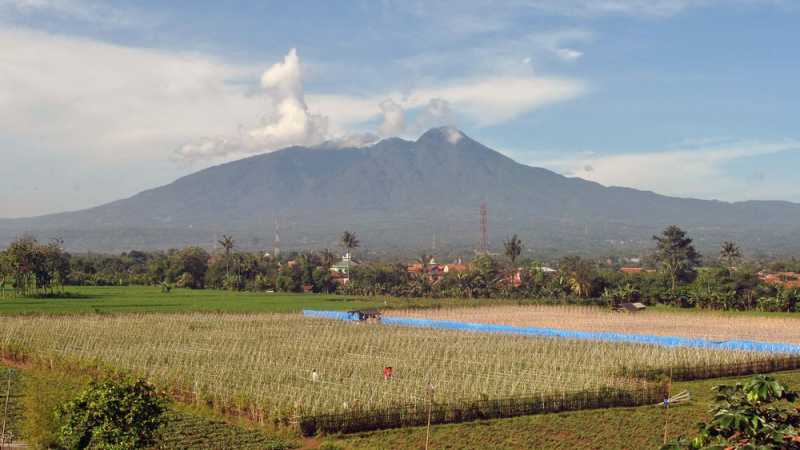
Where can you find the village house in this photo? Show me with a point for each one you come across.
(340, 271)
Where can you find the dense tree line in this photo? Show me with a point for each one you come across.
(676, 276)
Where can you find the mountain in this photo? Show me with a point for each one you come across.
(399, 194)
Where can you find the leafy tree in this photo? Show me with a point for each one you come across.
(754, 415)
(513, 248)
(349, 241)
(112, 415)
(676, 255)
(730, 253)
(579, 275)
(190, 265)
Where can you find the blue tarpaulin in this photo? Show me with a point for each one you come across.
(669, 341)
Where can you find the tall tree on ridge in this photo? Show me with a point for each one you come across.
(676, 254)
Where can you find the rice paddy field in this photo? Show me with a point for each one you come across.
(714, 326)
(263, 365)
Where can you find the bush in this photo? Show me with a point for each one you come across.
(112, 415)
(755, 415)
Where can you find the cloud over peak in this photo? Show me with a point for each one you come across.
(288, 122)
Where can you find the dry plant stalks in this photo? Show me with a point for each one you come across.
(263, 364)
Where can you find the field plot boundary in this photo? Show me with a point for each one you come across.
(415, 414)
(668, 341)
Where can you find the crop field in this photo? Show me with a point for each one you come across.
(709, 325)
(262, 365)
(150, 299)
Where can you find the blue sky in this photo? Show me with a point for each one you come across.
(100, 100)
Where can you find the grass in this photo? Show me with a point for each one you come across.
(13, 418)
(261, 365)
(616, 428)
(700, 324)
(36, 393)
(148, 299)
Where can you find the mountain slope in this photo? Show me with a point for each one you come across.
(398, 193)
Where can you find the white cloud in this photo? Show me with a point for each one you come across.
(690, 172)
(492, 100)
(113, 103)
(289, 123)
(436, 113)
(394, 118)
(482, 100)
(568, 54)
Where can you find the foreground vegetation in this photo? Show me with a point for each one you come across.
(617, 428)
(646, 427)
(37, 394)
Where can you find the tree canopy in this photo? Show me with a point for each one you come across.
(676, 255)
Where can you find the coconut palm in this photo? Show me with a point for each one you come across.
(730, 253)
(513, 248)
(424, 259)
(349, 241)
(227, 244)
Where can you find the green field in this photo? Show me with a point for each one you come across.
(148, 299)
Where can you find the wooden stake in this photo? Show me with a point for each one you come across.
(430, 406)
(666, 406)
(5, 411)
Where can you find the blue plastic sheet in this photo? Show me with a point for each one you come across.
(669, 341)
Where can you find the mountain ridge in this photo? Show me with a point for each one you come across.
(397, 193)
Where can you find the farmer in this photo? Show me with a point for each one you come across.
(314, 376)
(387, 373)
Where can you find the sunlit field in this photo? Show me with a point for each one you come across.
(710, 325)
(265, 363)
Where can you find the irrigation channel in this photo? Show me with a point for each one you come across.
(669, 341)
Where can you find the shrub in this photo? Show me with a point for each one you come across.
(754, 415)
(112, 415)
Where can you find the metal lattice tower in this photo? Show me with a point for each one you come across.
(484, 248)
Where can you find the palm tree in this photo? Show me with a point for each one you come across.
(731, 253)
(423, 260)
(227, 244)
(513, 248)
(349, 241)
